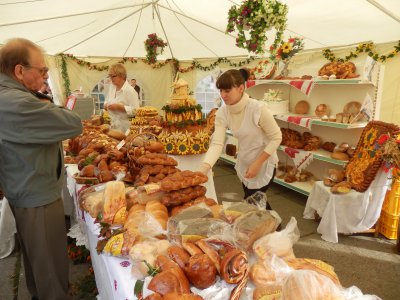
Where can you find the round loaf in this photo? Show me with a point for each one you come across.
(340, 156)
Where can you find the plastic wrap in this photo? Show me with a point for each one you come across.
(279, 243)
(147, 250)
(258, 199)
(233, 210)
(145, 193)
(114, 203)
(194, 223)
(91, 199)
(253, 225)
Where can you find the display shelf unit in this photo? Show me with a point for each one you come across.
(228, 159)
(301, 187)
(322, 155)
(336, 94)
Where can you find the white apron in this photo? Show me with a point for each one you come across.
(251, 142)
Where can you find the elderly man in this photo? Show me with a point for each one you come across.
(31, 167)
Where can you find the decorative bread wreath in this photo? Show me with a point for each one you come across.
(367, 159)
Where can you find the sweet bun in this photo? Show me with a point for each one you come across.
(340, 156)
(302, 107)
(322, 110)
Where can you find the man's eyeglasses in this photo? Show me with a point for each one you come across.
(43, 71)
(112, 75)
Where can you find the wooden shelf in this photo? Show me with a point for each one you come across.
(301, 187)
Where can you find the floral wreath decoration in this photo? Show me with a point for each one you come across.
(260, 16)
(154, 45)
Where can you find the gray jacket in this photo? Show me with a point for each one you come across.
(31, 157)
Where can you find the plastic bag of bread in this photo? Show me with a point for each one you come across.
(192, 230)
(149, 220)
(279, 243)
(114, 203)
(233, 210)
(121, 243)
(306, 284)
(253, 225)
(145, 253)
(91, 199)
(145, 193)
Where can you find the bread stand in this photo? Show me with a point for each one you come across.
(346, 213)
(113, 274)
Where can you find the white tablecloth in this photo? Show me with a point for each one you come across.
(113, 274)
(346, 213)
(7, 229)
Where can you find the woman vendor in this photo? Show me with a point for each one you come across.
(121, 99)
(255, 129)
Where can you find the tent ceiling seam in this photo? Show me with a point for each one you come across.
(69, 15)
(134, 34)
(105, 28)
(163, 29)
(198, 21)
(198, 40)
(384, 10)
(65, 32)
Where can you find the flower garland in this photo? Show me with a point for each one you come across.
(152, 44)
(365, 47)
(64, 73)
(260, 16)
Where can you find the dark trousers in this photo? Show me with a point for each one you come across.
(248, 192)
(43, 239)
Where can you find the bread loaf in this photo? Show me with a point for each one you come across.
(119, 135)
(114, 209)
(158, 211)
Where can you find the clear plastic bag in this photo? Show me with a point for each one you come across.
(253, 225)
(279, 243)
(233, 210)
(258, 199)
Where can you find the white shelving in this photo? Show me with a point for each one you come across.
(336, 94)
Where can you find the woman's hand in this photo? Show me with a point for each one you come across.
(253, 170)
(116, 107)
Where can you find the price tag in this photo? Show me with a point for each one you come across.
(70, 104)
(127, 131)
(120, 144)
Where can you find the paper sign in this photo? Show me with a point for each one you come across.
(120, 144)
(70, 104)
(128, 131)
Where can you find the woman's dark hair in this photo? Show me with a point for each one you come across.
(232, 78)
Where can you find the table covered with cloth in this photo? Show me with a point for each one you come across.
(113, 274)
(346, 213)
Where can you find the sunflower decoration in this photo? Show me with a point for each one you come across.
(182, 148)
(205, 146)
(196, 148)
(288, 48)
(370, 137)
(169, 148)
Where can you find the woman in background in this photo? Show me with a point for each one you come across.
(121, 100)
(255, 129)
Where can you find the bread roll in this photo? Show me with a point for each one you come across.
(178, 255)
(119, 135)
(158, 211)
(168, 281)
(261, 275)
(340, 156)
(176, 296)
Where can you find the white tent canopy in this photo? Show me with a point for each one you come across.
(193, 29)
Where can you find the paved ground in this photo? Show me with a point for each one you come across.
(370, 263)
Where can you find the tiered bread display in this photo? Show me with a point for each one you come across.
(146, 120)
(185, 131)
